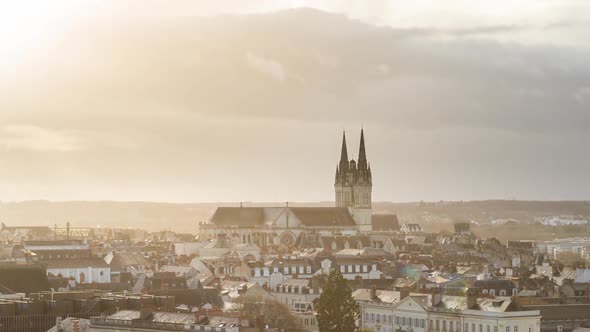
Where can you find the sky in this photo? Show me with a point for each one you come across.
(205, 101)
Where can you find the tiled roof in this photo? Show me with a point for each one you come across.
(385, 222)
(238, 216)
(75, 263)
(129, 259)
(22, 278)
(323, 216)
(561, 311)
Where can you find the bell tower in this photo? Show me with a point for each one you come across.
(354, 184)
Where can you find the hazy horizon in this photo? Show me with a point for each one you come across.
(193, 102)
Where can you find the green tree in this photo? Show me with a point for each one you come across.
(336, 309)
(273, 313)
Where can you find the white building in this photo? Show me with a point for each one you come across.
(410, 228)
(87, 270)
(387, 311)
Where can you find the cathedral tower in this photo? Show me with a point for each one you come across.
(354, 184)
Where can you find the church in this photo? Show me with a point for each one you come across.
(286, 226)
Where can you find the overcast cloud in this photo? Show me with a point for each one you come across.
(252, 107)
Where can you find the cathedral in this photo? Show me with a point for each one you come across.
(354, 184)
(288, 226)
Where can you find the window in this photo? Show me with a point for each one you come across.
(286, 270)
(480, 328)
(559, 328)
(357, 268)
(365, 268)
(502, 293)
(472, 327)
(492, 292)
(416, 322)
(488, 328)
(366, 316)
(342, 269)
(397, 320)
(451, 326)
(390, 320)
(507, 328)
(444, 325)
(301, 270)
(495, 329)
(372, 317)
(515, 328)
(530, 328)
(422, 323)
(437, 325)
(466, 327)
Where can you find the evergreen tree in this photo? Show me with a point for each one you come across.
(336, 309)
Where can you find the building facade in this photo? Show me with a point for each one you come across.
(282, 226)
(354, 184)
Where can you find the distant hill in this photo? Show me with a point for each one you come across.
(180, 217)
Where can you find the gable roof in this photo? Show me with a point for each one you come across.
(121, 259)
(385, 222)
(323, 216)
(238, 216)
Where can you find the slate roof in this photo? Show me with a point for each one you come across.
(159, 317)
(385, 296)
(551, 312)
(238, 216)
(22, 278)
(122, 259)
(385, 222)
(353, 241)
(323, 216)
(75, 263)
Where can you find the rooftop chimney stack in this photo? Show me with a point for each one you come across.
(471, 296)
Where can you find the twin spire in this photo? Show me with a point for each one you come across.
(361, 169)
(362, 152)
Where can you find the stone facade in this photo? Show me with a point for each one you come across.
(354, 184)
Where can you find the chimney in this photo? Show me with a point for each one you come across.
(436, 297)
(145, 312)
(403, 293)
(471, 297)
(373, 294)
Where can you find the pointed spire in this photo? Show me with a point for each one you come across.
(343, 154)
(362, 162)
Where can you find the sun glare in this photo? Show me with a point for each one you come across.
(27, 26)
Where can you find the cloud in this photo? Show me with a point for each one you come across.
(179, 103)
(266, 66)
(28, 137)
(582, 95)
